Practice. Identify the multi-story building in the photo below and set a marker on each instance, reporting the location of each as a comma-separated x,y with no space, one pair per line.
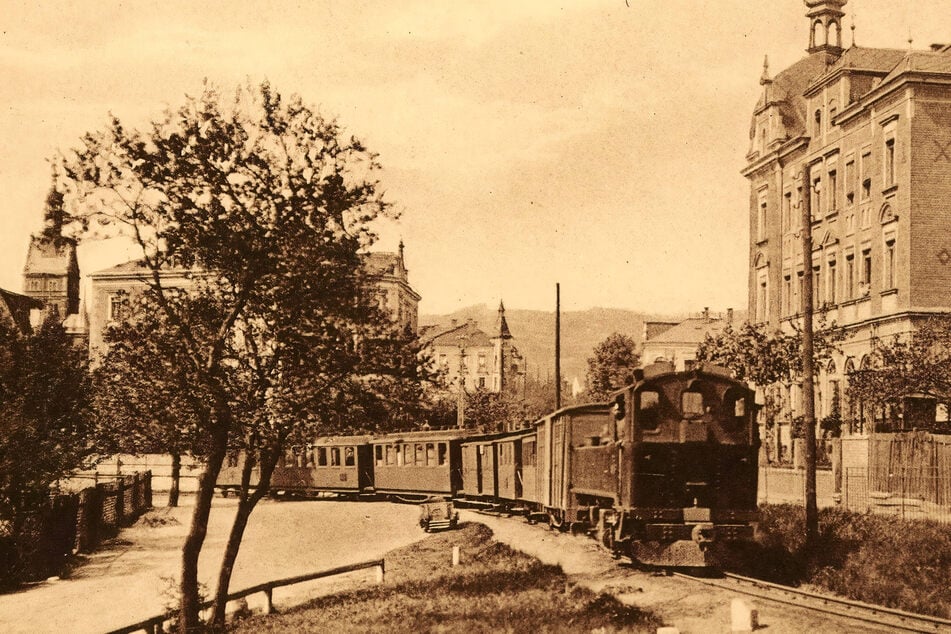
112,288
51,274
865,133
490,362
677,342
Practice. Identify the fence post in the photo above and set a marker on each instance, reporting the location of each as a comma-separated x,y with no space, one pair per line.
148,489
269,596
120,502
380,574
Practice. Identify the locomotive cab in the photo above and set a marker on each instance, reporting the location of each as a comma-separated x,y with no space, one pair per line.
688,469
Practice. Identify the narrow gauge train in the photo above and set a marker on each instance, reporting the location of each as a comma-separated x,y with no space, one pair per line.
663,471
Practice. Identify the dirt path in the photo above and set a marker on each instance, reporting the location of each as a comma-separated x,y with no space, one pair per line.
688,605
128,580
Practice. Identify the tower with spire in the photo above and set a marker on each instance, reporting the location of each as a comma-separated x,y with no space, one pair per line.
509,365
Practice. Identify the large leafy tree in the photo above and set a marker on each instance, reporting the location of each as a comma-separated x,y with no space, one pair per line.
269,204
611,367
45,430
915,363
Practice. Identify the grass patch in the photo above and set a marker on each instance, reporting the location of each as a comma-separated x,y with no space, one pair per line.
873,558
496,589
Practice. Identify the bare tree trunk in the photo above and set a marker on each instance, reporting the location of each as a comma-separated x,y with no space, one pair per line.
176,476
247,501
190,601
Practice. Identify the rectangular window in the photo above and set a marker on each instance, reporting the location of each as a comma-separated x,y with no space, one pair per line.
865,167
787,295
378,454
398,450
867,269
800,290
761,313
849,182
421,455
321,456
889,162
816,210
830,283
849,276
349,458
481,381
787,211
408,457
481,362
816,286
833,191
116,307
442,453
761,221
431,454
890,264
335,456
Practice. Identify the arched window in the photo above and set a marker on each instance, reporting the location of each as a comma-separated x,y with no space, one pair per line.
818,33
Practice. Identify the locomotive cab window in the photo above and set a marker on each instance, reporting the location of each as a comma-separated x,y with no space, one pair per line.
648,410
734,408
691,404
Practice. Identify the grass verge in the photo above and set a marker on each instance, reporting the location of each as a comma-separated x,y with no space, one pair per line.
872,558
496,589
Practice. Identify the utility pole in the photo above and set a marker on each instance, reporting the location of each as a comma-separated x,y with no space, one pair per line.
808,363
461,397
557,346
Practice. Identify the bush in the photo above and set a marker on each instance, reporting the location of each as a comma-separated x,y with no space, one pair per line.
871,558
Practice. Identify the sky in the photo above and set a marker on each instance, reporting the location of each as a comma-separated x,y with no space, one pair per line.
592,143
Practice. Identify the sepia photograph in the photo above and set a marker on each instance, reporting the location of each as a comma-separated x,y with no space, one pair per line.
593,316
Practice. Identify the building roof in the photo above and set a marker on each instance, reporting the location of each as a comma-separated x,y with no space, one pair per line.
18,307
938,62
689,331
653,328
466,334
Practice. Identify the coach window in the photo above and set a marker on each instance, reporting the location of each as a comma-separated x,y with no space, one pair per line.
322,456
421,455
335,456
398,450
390,457
408,458
442,453
430,454
378,450
348,458
648,410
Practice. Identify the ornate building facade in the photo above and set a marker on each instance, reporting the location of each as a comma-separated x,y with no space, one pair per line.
473,359
865,133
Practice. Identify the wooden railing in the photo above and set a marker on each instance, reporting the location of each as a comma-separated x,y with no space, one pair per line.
155,624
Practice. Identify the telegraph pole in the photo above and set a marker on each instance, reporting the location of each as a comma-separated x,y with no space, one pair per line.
557,346
808,363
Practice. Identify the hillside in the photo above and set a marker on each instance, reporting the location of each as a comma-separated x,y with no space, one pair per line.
534,332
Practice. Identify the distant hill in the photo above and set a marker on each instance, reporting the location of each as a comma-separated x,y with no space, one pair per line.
534,333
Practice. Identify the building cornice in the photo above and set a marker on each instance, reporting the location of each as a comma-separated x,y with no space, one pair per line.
908,78
776,155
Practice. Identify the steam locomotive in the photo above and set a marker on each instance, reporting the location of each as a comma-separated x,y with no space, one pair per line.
662,472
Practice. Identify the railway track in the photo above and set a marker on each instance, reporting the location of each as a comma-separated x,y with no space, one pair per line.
857,610
881,616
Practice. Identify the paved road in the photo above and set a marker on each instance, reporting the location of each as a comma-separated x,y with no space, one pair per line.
129,581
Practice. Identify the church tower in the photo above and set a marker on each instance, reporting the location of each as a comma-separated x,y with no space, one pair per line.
825,25
509,369
51,273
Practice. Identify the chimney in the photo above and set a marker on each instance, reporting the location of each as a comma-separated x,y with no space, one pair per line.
729,315
453,322
706,313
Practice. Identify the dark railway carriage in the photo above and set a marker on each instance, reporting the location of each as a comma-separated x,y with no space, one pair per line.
501,468
418,464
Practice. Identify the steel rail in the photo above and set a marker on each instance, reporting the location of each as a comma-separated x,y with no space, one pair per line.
827,604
